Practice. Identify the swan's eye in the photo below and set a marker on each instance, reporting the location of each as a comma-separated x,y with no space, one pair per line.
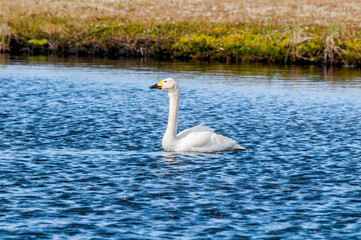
165,81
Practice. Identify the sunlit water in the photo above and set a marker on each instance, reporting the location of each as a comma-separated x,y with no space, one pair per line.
81,155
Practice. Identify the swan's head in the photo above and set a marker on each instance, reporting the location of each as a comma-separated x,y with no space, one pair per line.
167,85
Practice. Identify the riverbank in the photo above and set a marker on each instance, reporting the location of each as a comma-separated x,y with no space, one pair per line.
302,32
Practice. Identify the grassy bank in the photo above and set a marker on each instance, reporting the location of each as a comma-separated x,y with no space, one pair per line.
270,31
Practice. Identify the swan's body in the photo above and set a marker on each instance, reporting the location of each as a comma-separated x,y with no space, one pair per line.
196,139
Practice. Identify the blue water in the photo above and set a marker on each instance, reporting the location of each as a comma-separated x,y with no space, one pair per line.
81,155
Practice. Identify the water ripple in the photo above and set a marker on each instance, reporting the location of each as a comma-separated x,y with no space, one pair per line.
80,155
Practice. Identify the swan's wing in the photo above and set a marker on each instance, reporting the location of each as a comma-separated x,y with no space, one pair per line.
203,139
199,128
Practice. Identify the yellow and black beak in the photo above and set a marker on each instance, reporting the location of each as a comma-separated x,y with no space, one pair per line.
155,86
158,85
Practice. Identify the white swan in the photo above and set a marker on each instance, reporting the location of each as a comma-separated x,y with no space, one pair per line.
196,139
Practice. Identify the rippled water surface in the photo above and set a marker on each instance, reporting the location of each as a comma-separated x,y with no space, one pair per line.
81,155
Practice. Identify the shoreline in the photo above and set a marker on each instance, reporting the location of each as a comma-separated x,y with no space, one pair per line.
140,30
226,43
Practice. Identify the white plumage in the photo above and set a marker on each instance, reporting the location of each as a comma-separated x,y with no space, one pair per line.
196,139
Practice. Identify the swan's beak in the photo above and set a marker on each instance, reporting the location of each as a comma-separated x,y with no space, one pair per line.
155,86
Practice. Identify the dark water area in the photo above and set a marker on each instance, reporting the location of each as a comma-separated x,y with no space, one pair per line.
81,155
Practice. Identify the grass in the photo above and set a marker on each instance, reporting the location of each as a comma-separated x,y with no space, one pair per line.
305,31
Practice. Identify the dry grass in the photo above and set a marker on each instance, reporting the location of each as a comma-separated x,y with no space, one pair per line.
5,33
276,22
276,12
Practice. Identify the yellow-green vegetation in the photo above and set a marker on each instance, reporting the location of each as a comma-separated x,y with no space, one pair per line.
302,31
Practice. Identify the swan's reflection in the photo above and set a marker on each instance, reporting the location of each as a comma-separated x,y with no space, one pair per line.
174,157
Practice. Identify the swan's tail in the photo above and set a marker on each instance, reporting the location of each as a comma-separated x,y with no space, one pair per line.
239,147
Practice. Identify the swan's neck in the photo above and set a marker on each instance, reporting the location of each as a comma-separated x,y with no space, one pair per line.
170,135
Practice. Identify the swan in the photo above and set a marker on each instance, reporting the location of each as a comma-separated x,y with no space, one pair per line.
196,139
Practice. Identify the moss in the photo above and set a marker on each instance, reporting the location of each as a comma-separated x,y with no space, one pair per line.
312,49
38,42
352,52
196,46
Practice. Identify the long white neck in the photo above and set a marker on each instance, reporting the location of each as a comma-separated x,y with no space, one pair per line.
170,135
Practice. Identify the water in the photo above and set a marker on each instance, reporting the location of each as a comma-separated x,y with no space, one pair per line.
81,156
